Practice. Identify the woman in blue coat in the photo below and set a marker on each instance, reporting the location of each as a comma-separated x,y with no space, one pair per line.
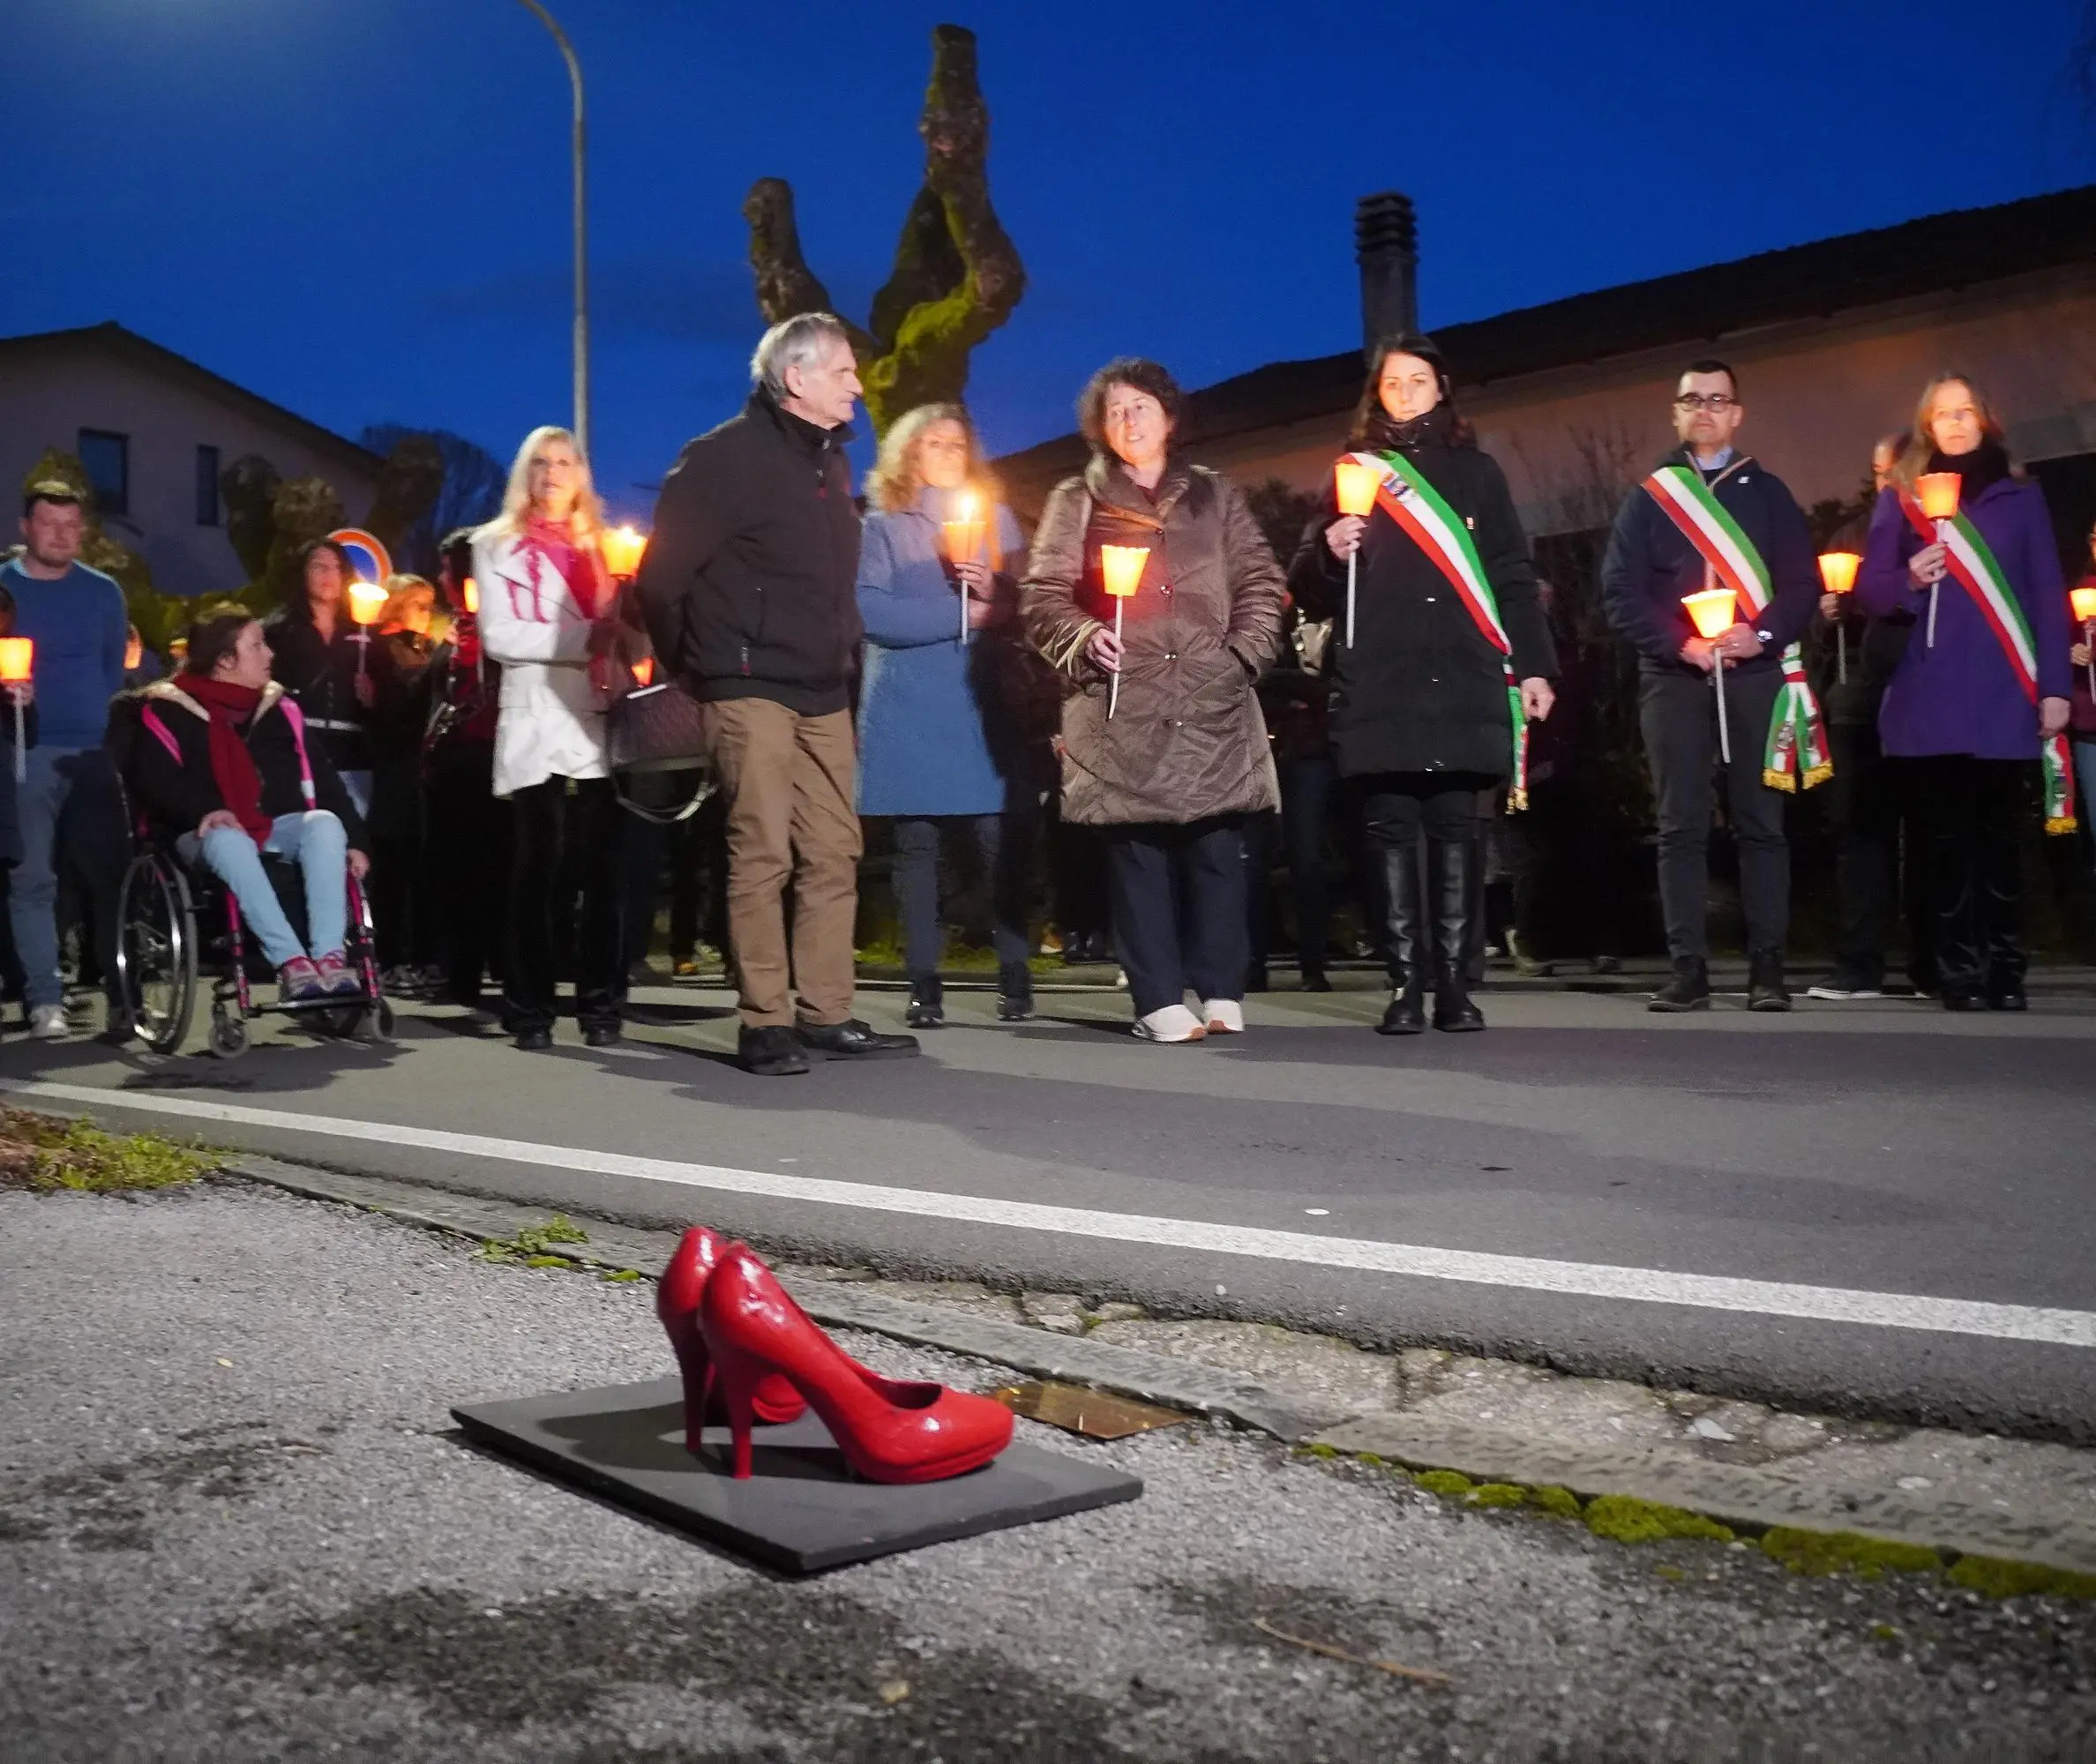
930,749
1982,691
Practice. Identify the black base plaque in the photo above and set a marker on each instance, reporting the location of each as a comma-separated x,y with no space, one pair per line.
801,1510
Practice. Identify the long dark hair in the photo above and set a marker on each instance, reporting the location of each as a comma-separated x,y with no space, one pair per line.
300,606
1369,414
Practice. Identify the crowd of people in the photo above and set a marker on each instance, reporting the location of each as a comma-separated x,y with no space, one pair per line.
1140,698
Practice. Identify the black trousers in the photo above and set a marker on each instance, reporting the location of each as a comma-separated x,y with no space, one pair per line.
1567,885
1179,909
1975,868
1004,848
1402,813
468,866
574,825
1880,856
1679,716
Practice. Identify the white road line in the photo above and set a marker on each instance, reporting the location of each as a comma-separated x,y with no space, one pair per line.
1591,1280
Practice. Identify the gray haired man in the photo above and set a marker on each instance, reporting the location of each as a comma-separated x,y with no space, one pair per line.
748,589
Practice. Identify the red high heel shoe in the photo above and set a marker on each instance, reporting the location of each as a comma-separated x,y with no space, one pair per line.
889,1429
677,1295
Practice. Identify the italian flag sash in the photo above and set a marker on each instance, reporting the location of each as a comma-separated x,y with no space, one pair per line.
1404,494
1797,743
1979,572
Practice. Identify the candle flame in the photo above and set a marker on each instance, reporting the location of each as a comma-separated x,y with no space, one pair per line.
472,595
623,548
367,600
644,672
2084,602
1838,570
18,659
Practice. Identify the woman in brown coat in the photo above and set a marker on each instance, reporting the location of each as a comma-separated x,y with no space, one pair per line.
1169,770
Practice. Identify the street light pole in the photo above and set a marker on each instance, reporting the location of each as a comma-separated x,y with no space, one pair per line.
574,68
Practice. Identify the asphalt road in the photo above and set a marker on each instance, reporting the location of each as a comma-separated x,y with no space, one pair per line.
237,1524
1865,1151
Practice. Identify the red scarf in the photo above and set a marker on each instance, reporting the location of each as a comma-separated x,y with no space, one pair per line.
551,542
232,766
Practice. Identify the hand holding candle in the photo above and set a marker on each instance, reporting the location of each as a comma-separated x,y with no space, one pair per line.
1120,567
367,600
1354,485
2084,602
1937,493
1713,611
964,537
17,668
1837,574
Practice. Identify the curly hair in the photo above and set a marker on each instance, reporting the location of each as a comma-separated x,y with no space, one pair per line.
1129,370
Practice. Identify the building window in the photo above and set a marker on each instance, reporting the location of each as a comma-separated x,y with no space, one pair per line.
207,487
108,459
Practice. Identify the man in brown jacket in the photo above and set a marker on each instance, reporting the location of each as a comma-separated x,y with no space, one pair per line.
748,590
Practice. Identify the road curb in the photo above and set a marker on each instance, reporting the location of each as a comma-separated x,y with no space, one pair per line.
1753,1498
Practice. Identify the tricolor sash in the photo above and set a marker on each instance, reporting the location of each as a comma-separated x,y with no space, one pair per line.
1404,493
1797,743
1979,572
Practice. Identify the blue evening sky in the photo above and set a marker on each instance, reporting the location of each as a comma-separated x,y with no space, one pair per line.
360,207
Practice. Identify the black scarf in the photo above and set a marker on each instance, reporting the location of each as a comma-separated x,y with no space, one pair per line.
1385,434
1986,465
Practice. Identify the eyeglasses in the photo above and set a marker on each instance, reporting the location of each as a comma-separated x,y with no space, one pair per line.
1696,400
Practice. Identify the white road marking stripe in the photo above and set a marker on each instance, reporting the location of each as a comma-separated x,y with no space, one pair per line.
1592,1280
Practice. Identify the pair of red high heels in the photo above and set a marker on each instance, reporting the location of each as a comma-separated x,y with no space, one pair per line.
749,1353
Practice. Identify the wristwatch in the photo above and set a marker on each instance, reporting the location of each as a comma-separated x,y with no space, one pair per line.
1763,635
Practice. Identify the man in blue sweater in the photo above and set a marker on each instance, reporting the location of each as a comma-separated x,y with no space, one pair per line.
76,617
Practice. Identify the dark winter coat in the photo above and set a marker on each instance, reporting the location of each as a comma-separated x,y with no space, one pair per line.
1962,696
166,761
322,676
1651,566
747,585
1422,689
1187,741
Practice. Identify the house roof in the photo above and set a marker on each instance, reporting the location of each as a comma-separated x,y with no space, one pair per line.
1936,254
112,339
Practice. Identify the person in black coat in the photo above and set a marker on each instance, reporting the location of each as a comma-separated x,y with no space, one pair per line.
1423,711
329,664
1650,567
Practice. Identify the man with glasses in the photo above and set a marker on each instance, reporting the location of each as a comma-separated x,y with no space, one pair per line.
1709,516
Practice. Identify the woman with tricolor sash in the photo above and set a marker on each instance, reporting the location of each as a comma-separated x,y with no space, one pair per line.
1441,654
1983,689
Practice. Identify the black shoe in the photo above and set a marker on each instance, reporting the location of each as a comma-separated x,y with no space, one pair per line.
602,1035
534,1041
2008,998
1765,990
853,1040
1606,964
772,1052
1406,1012
1689,990
1314,981
1014,992
927,1003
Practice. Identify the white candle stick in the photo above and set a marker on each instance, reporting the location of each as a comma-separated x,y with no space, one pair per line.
1114,692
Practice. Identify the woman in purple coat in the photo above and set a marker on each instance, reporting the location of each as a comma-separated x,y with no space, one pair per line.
1982,690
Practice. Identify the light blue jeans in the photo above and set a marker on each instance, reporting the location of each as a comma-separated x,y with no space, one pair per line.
315,842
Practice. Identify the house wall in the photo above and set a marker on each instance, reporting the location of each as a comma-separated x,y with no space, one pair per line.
1817,395
48,396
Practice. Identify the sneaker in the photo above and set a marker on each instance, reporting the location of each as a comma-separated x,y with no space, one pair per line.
1173,1023
1014,992
684,968
1225,1016
1842,984
927,1003
47,1022
338,979
298,980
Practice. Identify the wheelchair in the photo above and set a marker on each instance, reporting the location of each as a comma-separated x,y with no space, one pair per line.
178,926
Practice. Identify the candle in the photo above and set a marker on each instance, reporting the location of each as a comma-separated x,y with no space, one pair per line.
964,537
1120,567
644,672
1713,612
2084,603
367,600
1355,484
623,547
1938,493
1837,572
18,663
472,597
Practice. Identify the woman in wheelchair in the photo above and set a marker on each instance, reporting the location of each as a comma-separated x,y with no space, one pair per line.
222,762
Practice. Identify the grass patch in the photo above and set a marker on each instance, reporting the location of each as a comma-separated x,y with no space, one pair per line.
1999,1579
50,1156
886,952
533,1245
1845,1552
1627,1520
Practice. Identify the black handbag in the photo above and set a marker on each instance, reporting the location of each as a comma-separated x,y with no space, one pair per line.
659,751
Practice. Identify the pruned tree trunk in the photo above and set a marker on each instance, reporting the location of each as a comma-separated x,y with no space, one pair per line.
957,275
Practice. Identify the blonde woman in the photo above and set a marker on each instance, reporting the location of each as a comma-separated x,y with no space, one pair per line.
548,614
930,752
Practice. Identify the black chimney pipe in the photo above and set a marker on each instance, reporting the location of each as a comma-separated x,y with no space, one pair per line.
1387,245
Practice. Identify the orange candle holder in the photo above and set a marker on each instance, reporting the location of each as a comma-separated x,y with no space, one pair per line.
2084,603
644,672
18,661
1120,569
367,600
1838,570
623,547
1937,493
472,598
1712,611
1356,486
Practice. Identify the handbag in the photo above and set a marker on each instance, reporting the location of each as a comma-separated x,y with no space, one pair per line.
651,735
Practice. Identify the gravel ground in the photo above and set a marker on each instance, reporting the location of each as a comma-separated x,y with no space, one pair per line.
235,1524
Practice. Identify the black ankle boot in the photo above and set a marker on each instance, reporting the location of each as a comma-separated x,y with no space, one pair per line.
927,1002
1766,988
1406,1014
1689,990
1451,866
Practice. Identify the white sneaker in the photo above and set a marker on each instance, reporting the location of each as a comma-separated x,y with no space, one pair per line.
1225,1016
1173,1023
47,1022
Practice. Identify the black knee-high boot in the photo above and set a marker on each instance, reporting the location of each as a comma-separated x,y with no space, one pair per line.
1405,932
1450,864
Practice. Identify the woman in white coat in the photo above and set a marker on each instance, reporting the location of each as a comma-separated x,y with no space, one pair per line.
548,614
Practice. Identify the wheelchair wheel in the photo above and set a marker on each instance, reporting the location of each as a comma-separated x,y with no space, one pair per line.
156,951
228,1038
